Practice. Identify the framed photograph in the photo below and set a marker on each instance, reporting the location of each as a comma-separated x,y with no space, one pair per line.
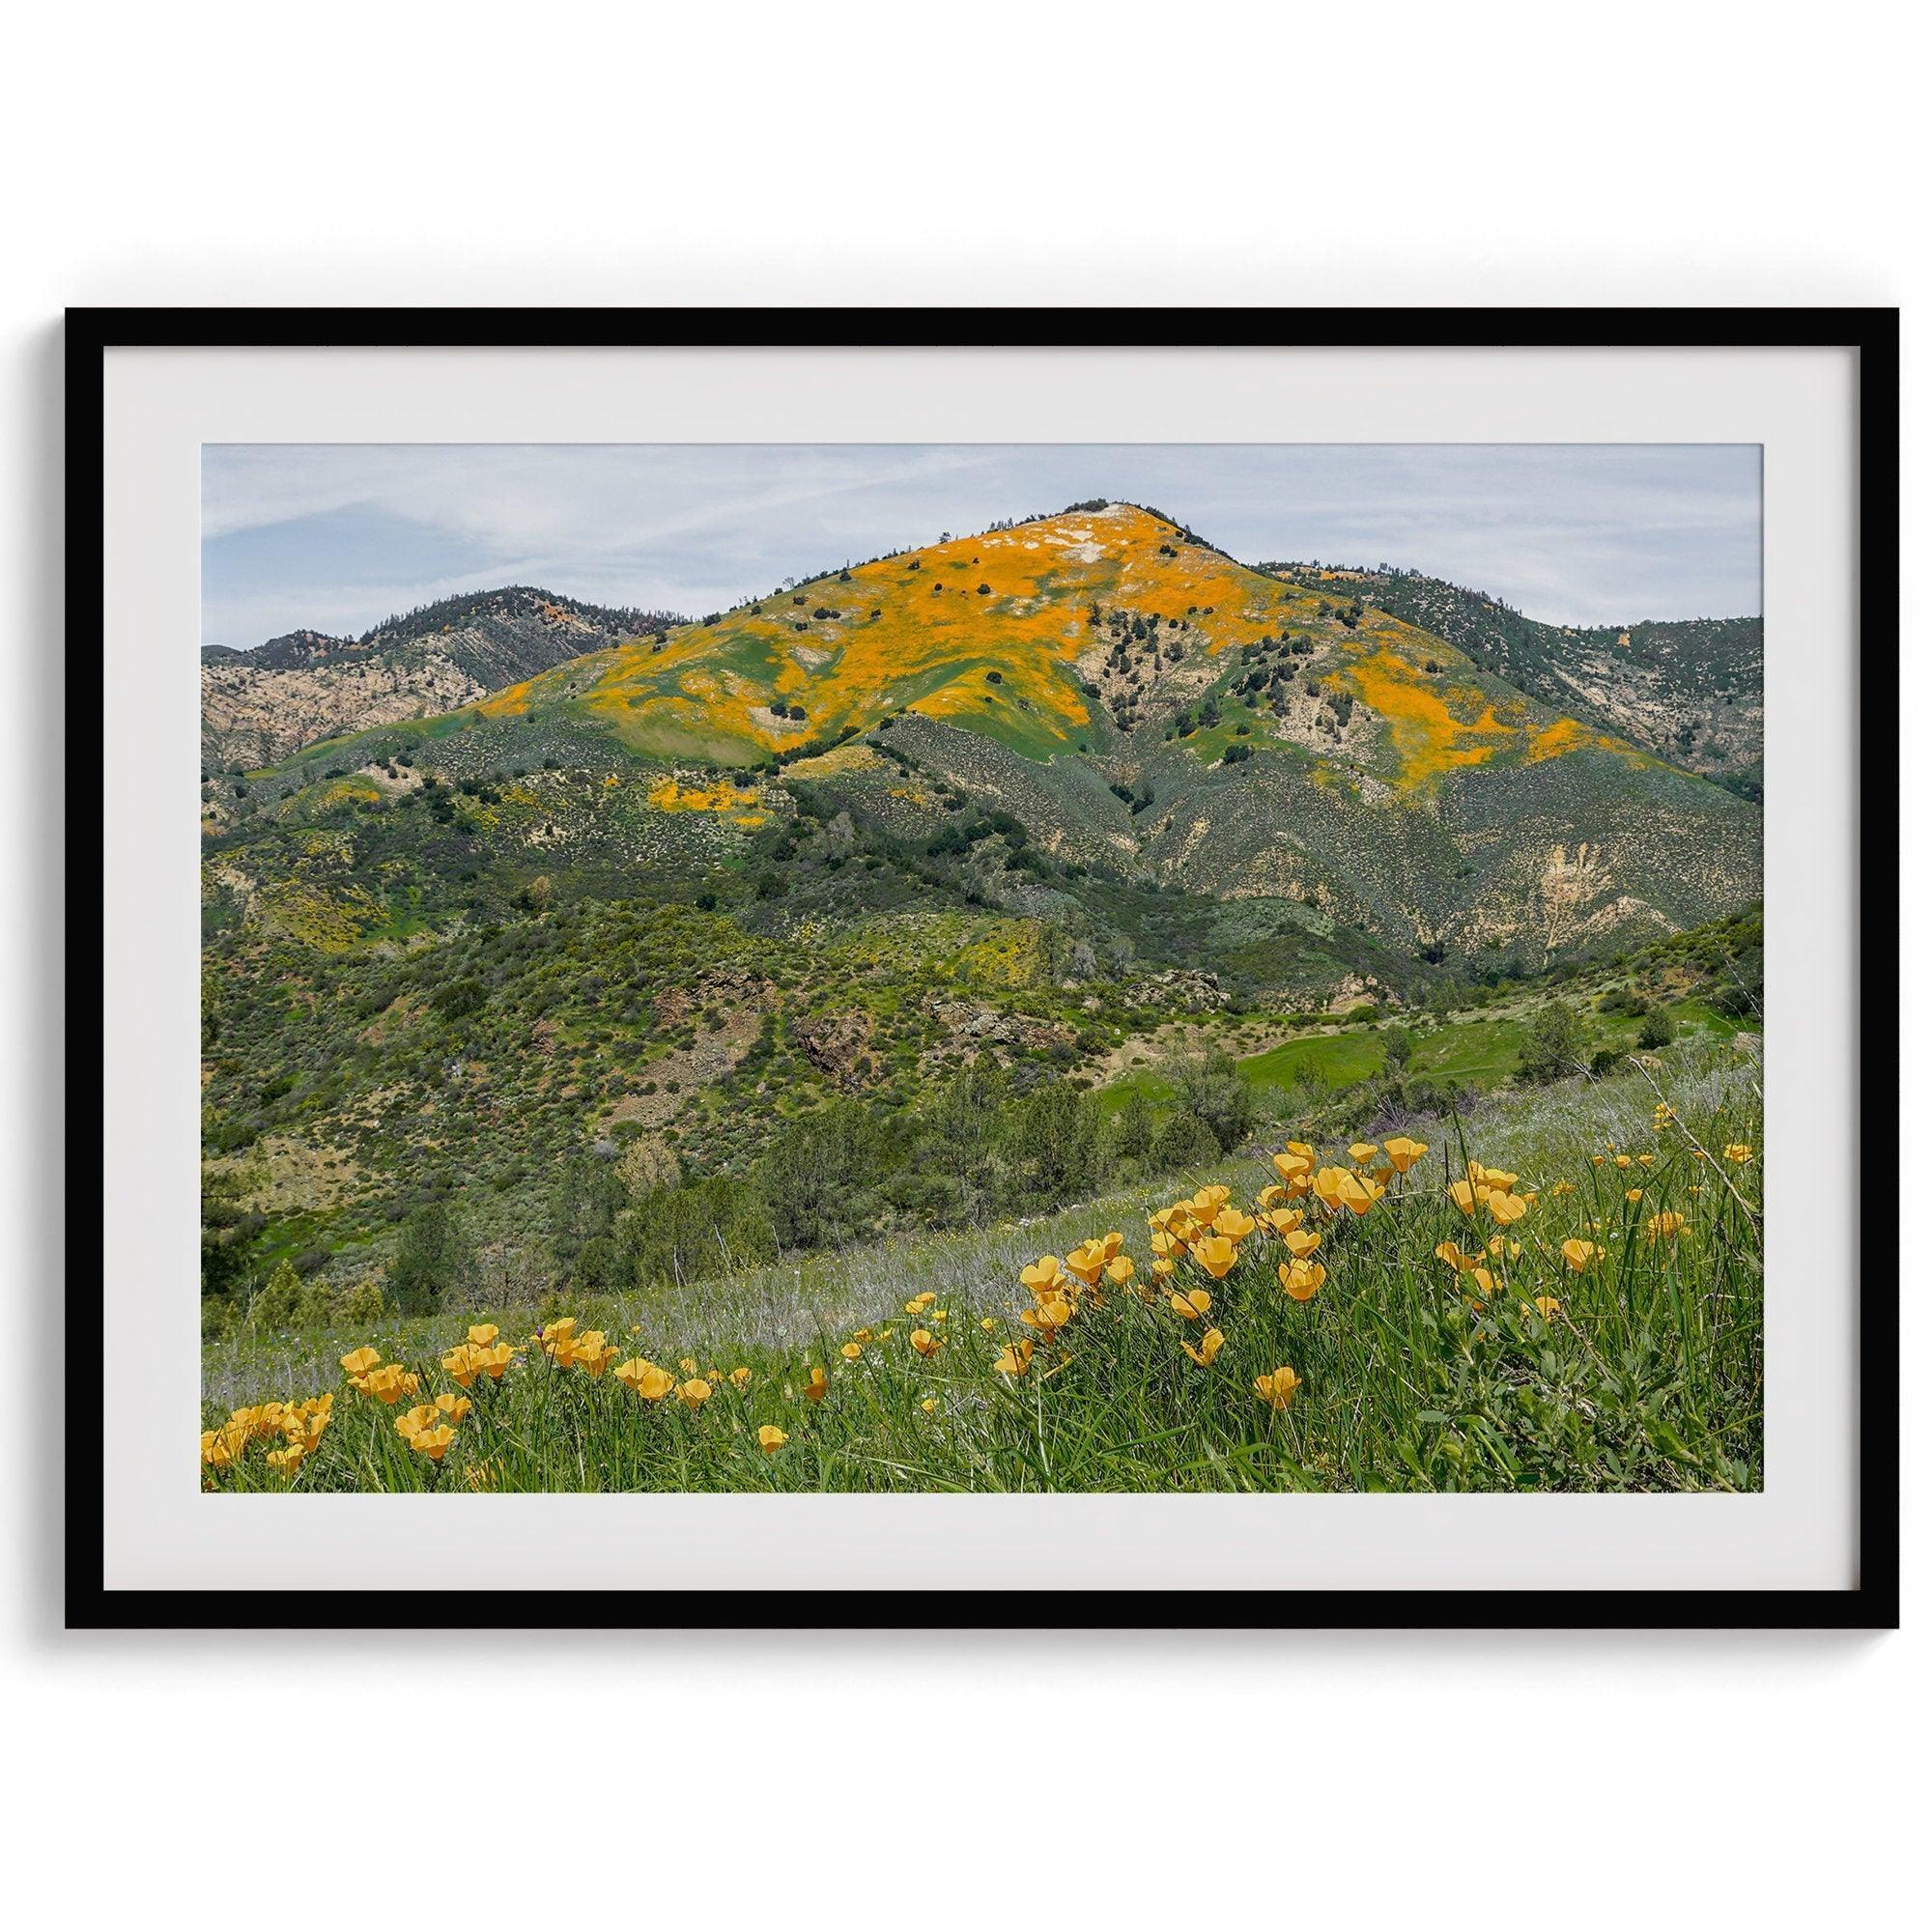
1197,962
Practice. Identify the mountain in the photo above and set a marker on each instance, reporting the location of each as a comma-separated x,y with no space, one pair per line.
769,887
1690,690
262,705
1146,707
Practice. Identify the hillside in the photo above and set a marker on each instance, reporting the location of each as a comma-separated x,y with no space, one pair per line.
1690,690
259,706
820,899
1146,707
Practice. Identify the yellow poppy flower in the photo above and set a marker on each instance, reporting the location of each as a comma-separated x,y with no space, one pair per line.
1663,1227
390,1385
1363,1151
1336,1189
1043,1277
923,1342
1549,1307
646,1379
740,1376
1301,1243
591,1353
1738,1152
1285,1220
1049,1315
1507,1207
987,1323
688,1365
1448,1251
455,1406
815,1385
1086,1261
1579,1253
412,1422
1301,1280
852,1350
1634,1194
695,1393
929,1406
286,1460
1270,1196
483,1334
771,1440
1161,1268
1278,1390
1192,1305
359,1362
1013,1358
1214,1254
1121,1270
432,1443
920,1303
460,1364
1233,1225
1211,1347
861,1334
1623,1160
1403,1153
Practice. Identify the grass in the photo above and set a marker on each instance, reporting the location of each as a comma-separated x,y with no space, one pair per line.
1644,1372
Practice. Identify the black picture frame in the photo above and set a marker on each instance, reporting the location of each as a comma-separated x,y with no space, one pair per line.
1872,1603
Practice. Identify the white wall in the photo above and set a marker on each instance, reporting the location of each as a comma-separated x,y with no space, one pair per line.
379,153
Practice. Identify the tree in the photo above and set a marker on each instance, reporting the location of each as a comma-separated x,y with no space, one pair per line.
431,1261
1656,1031
1184,1143
1052,1144
1133,1131
1209,1086
1553,1046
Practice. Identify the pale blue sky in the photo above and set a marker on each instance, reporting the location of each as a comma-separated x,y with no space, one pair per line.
337,536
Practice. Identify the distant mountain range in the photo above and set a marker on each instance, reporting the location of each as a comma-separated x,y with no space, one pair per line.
261,705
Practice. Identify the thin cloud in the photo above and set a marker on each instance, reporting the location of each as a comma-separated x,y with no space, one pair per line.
340,536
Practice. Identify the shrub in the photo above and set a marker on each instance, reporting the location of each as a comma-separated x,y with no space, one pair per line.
1184,1141
1656,1031
1553,1046
1210,1088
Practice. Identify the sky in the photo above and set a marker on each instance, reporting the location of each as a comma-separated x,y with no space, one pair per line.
335,537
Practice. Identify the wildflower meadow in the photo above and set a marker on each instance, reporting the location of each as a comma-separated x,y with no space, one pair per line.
1565,1295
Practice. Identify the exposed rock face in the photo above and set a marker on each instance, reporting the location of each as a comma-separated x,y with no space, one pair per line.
837,1045
259,706
1185,986
253,716
970,1028
1361,989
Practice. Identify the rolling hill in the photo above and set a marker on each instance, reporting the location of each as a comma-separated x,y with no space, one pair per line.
1691,689
261,705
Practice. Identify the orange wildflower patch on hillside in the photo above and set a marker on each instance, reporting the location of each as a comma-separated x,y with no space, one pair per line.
1428,736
